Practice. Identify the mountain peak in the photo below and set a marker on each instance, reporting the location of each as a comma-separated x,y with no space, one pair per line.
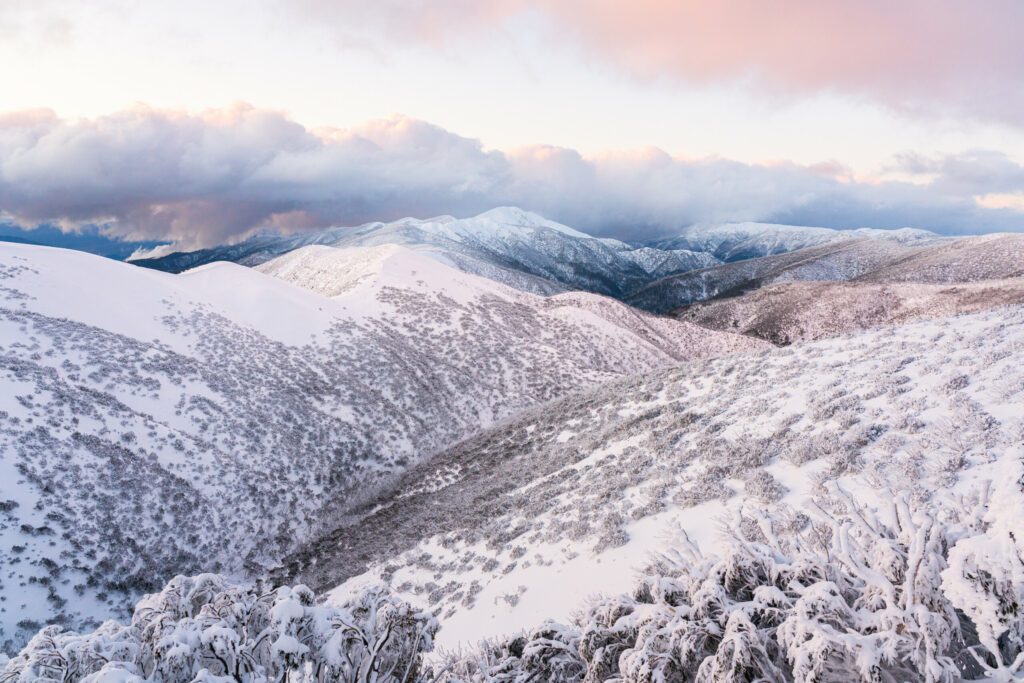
500,220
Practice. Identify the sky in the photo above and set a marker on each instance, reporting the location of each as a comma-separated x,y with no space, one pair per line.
201,122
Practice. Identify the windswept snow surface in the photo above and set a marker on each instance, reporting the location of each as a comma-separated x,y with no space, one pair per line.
358,273
515,247
155,424
524,522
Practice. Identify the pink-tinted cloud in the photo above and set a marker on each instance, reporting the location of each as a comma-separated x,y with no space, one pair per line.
202,179
930,56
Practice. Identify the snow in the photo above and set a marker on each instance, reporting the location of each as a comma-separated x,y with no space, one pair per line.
498,223
509,245
782,397
729,241
125,299
541,447
557,590
881,259
355,275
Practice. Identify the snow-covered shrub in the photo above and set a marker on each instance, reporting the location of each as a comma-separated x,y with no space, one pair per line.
764,487
932,594
708,484
204,629
550,653
985,581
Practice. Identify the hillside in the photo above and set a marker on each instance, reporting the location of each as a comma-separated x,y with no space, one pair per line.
147,417
840,260
880,260
524,522
971,259
793,312
730,242
354,276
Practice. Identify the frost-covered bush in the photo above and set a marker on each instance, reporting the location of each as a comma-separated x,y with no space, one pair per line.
762,486
550,653
204,629
935,594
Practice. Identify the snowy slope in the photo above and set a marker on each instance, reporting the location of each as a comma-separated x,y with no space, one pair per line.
333,272
522,523
738,241
147,417
790,312
353,276
512,246
878,260
839,260
968,259
971,259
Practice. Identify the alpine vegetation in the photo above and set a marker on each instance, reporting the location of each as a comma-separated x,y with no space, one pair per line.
932,592
386,403
225,403
927,592
369,459
525,520
891,256
203,629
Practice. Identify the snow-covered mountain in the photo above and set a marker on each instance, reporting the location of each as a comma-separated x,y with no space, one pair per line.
969,259
152,423
739,241
792,312
839,260
357,415
879,260
531,253
515,247
524,522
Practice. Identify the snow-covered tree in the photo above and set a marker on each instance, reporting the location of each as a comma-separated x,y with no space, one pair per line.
933,593
204,629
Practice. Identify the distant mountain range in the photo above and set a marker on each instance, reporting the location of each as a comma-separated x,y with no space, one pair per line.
883,259
505,244
529,252
793,312
730,242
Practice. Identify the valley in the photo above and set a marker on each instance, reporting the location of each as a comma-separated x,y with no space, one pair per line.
457,413
227,403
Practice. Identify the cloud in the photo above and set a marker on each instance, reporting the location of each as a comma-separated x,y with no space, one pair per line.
925,56
218,176
971,172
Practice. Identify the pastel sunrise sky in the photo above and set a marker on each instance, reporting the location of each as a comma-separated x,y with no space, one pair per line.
203,121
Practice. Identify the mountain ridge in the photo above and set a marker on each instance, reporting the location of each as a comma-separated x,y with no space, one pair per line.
535,254
922,260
